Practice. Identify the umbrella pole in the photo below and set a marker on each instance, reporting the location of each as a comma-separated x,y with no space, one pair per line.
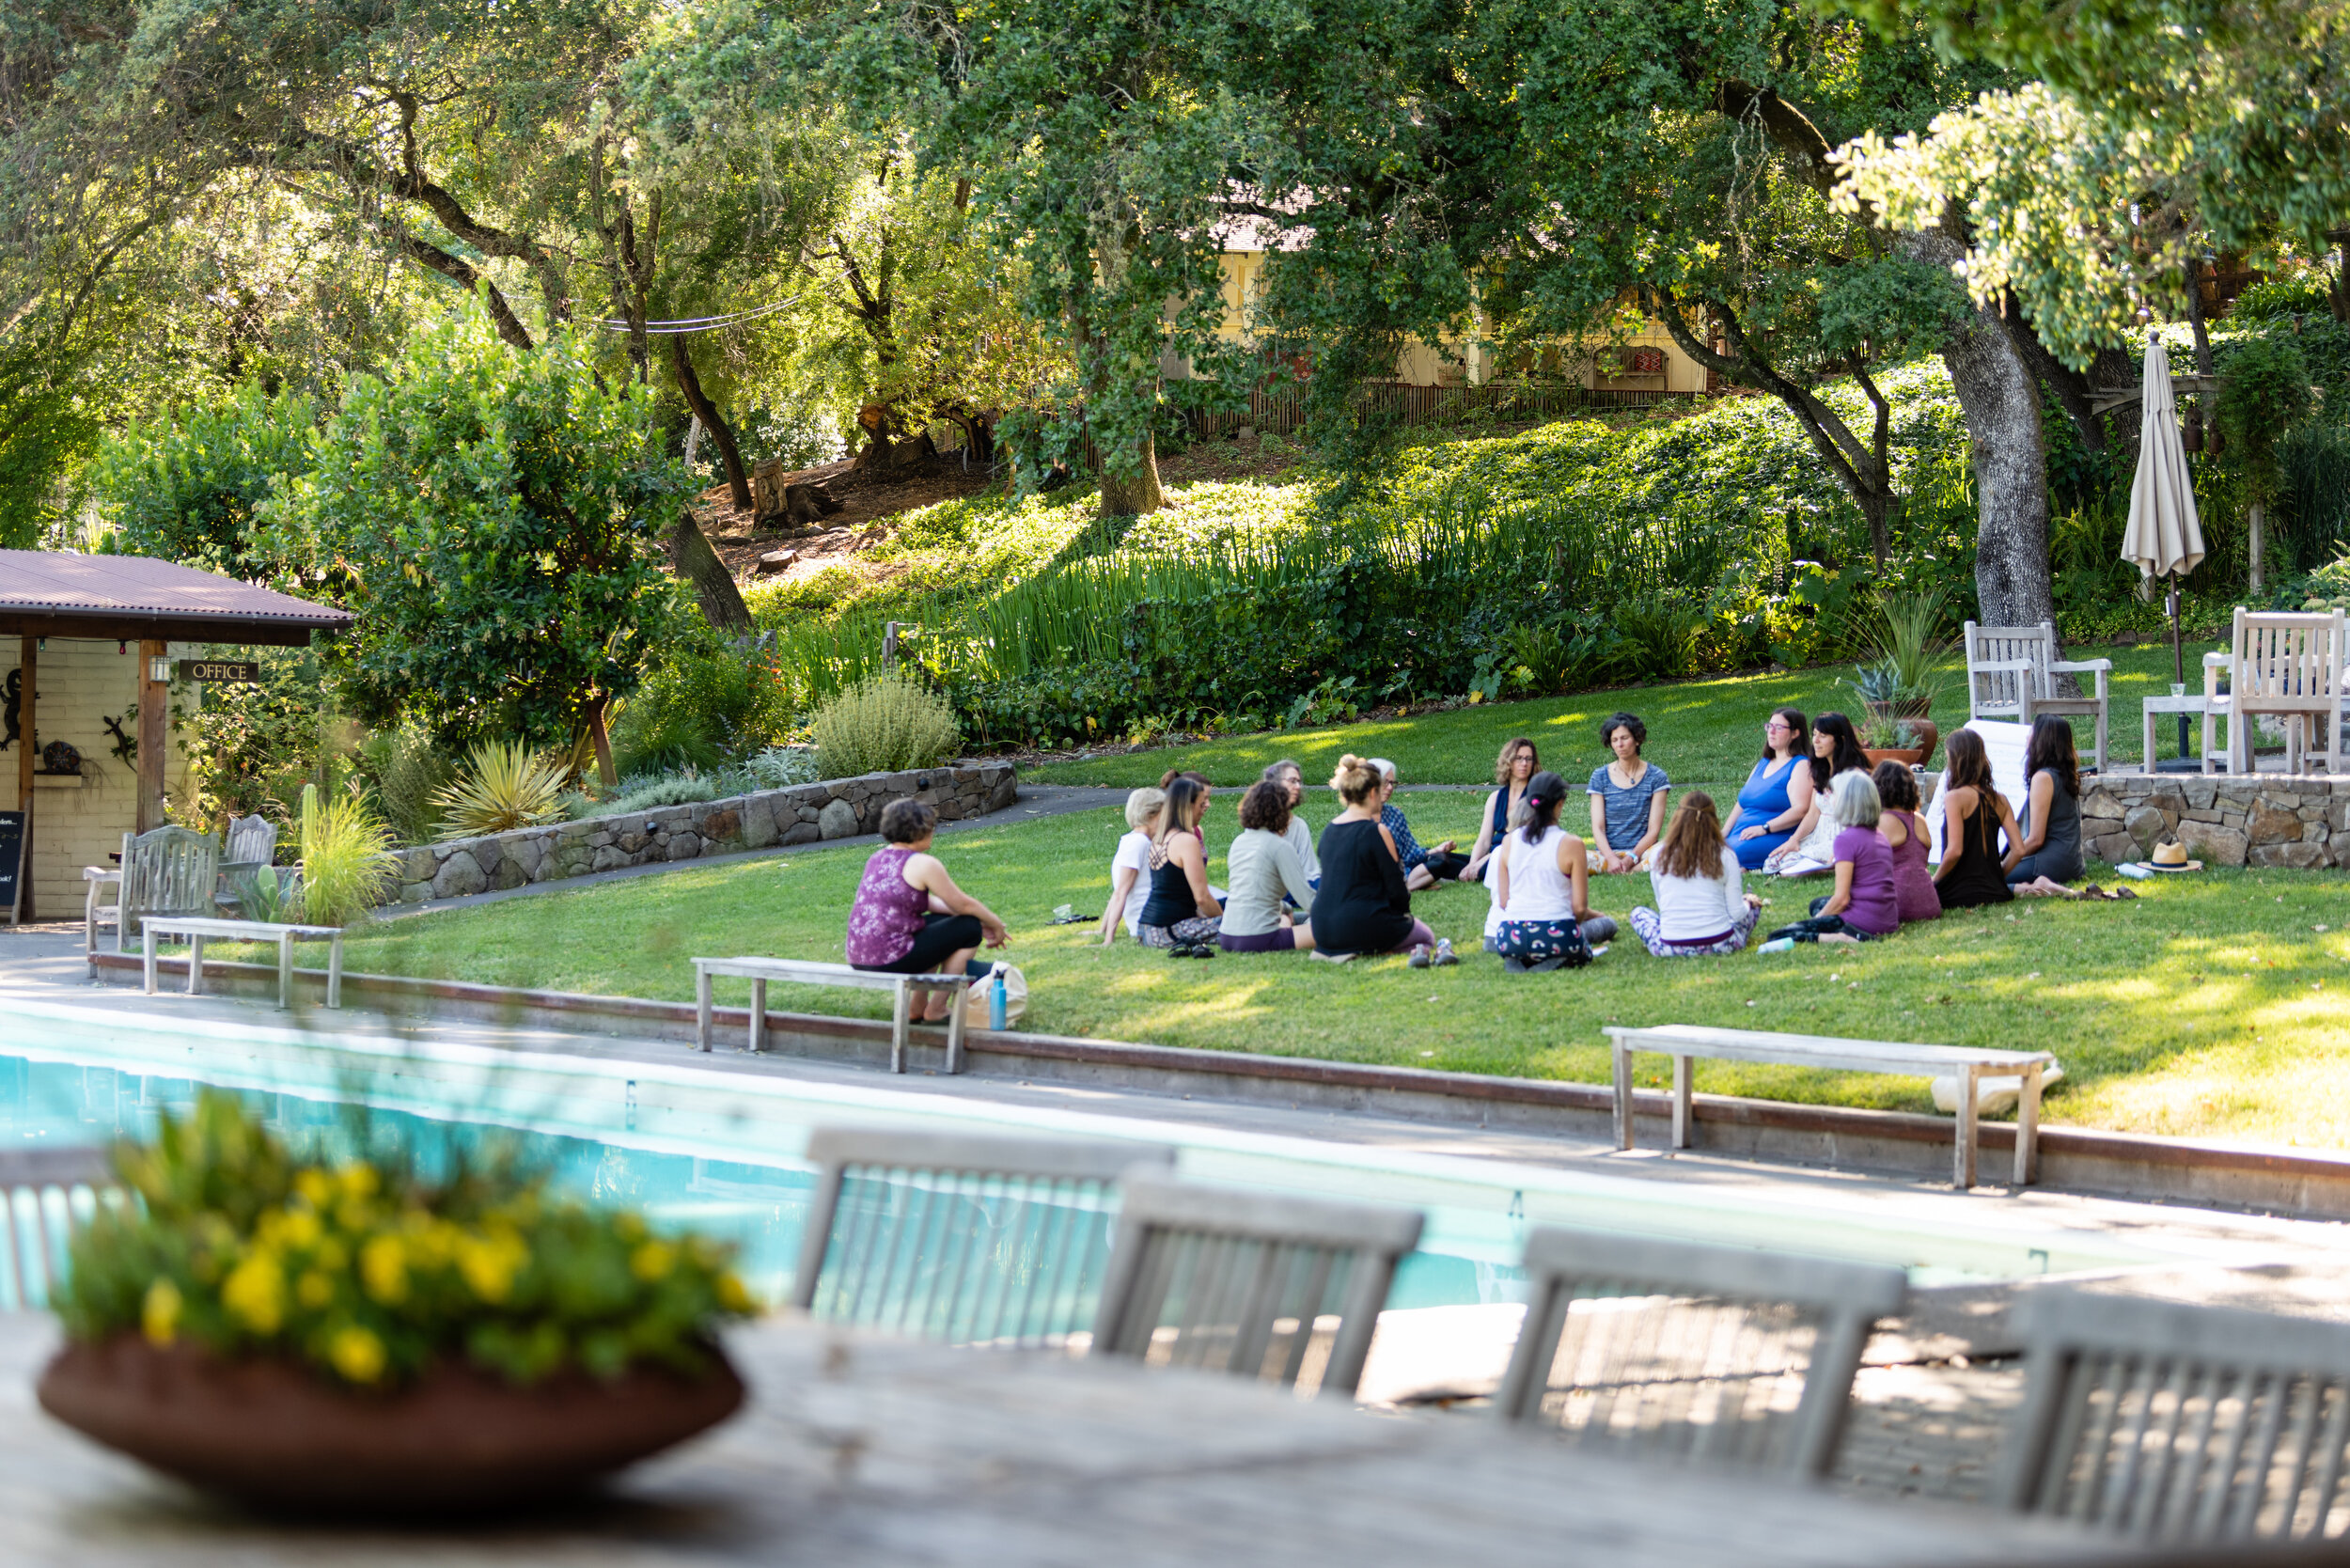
2177,659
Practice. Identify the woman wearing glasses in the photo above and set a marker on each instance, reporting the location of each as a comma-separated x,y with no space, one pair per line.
1778,792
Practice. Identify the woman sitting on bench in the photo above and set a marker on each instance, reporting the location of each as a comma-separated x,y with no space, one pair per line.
893,928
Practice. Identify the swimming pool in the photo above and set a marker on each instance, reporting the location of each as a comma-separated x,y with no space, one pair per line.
723,1150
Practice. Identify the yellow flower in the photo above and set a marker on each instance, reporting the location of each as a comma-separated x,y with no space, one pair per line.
383,1268
360,1180
255,1292
356,1352
489,1263
315,1188
653,1261
629,1227
313,1290
160,1317
301,1228
333,1256
732,1295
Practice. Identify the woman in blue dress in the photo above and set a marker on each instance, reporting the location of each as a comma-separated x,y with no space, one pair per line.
1778,792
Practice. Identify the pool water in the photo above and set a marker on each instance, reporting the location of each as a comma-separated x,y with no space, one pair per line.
721,1152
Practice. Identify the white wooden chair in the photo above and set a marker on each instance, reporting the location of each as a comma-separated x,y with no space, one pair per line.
969,1238
252,847
1256,1284
1683,1350
168,871
2011,672
46,1194
2174,1423
2288,665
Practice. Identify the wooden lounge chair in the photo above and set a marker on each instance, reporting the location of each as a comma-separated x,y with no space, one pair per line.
968,1238
1692,1352
2176,1423
2011,674
168,871
1256,1284
2287,666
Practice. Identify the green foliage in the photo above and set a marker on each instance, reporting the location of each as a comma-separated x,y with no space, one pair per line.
251,747
346,864
780,767
1900,635
407,767
503,786
369,1271
2315,459
190,486
2264,392
261,895
2275,298
703,701
884,725
679,790
492,515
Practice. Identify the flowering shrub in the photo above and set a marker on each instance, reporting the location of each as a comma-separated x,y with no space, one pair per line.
370,1272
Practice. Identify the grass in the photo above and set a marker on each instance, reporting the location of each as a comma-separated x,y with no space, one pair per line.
2216,1005
1705,731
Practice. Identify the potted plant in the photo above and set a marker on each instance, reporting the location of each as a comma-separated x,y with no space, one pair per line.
358,1334
1906,741
1899,636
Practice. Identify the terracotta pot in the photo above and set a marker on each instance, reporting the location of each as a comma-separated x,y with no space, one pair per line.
1908,758
1928,737
456,1440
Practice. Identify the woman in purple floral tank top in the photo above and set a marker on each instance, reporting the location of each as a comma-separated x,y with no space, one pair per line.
909,918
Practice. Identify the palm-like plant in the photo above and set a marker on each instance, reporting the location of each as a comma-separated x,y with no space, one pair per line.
502,786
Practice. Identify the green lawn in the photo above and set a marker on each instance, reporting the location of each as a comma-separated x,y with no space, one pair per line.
2215,1005
1701,731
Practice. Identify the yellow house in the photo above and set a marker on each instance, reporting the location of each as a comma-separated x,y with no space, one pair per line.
1649,361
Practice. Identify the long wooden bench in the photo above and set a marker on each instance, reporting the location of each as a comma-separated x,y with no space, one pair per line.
793,971
1683,1041
196,927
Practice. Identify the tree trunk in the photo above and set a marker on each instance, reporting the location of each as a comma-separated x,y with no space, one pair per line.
722,601
2001,403
1132,495
729,453
601,738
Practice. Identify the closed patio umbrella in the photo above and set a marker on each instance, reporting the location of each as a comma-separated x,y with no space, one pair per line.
2165,538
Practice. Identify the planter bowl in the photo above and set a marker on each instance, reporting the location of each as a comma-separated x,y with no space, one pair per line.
1928,737
282,1437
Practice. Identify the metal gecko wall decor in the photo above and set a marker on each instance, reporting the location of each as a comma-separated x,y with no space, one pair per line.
12,706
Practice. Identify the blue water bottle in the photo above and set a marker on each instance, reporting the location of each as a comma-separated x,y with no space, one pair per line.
996,1000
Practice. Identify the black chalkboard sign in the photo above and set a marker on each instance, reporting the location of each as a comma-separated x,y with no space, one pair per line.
11,861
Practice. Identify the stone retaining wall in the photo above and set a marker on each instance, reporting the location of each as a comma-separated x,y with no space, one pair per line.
2275,820
802,814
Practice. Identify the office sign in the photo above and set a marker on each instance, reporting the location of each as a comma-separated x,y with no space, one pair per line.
220,672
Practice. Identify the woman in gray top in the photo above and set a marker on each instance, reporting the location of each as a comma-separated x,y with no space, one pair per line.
1291,778
1261,867
2049,853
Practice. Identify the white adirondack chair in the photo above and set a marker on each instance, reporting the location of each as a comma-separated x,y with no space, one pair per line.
169,871
2289,666
2011,672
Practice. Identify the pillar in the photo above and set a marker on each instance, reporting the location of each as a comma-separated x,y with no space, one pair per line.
27,661
154,732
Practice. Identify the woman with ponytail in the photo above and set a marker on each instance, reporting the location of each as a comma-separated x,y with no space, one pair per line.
1543,887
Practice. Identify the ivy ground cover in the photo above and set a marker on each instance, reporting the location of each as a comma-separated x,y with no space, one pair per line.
2215,1005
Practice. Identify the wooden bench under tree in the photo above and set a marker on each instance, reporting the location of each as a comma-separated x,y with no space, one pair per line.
1968,1063
793,971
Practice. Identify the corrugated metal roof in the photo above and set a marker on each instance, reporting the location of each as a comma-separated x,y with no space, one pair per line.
70,586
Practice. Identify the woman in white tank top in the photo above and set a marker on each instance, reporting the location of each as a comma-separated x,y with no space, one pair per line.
1543,887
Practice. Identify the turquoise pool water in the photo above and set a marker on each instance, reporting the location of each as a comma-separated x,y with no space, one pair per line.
722,1151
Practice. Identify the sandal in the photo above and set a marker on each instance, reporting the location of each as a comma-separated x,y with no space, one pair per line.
1419,956
1444,953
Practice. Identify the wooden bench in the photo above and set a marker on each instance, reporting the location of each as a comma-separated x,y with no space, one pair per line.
196,927
1683,1041
792,971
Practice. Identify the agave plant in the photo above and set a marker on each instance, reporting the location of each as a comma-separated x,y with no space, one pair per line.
502,786
1902,635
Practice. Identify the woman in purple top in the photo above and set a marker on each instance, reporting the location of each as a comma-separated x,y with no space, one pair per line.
1864,905
909,918
1913,882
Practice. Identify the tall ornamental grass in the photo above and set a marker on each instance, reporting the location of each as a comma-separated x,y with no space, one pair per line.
884,725
346,864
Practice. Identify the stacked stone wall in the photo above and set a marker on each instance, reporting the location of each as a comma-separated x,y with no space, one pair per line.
2224,820
802,814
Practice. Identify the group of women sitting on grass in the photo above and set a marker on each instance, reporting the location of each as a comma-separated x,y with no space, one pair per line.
1812,807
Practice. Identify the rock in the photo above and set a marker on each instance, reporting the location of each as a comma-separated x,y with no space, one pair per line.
510,874
837,820
2202,793
759,822
719,824
2098,805
2272,825
414,892
2208,841
2145,825
2114,848
800,833
684,846
609,858
459,875
2301,858
419,864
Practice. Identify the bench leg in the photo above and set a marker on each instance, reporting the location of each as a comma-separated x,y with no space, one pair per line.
2028,1129
901,1008
955,1022
1963,1161
1684,1107
146,934
334,973
285,972
701,1010
196,963
2149,716
1623,1096
759,1016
